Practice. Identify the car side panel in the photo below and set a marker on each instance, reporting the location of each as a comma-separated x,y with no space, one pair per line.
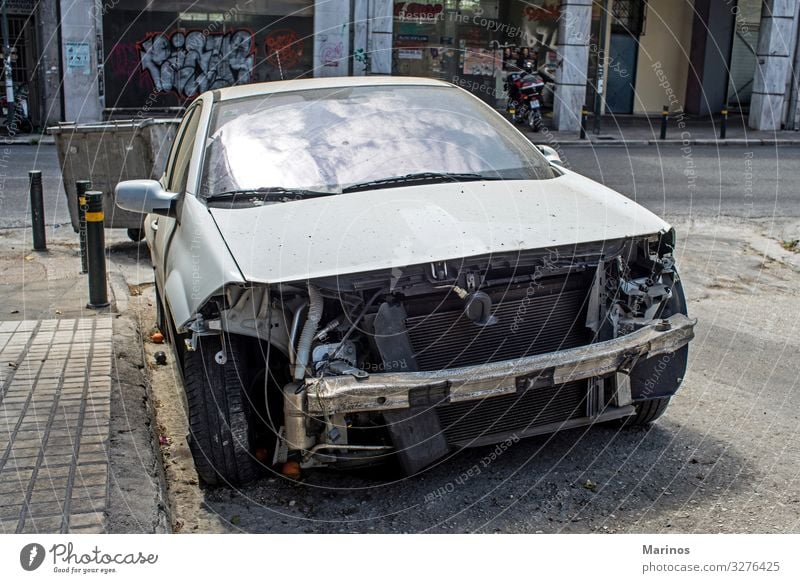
198,264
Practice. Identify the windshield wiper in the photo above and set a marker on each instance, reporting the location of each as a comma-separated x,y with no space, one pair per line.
430,177
267,194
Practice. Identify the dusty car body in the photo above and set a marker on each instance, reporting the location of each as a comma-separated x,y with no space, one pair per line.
348,276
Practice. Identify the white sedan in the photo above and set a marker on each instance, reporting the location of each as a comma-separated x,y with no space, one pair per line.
365,270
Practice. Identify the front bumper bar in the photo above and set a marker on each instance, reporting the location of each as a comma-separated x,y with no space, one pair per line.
380,392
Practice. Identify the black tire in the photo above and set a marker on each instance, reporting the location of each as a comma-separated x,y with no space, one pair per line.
219,412
535,120
646,412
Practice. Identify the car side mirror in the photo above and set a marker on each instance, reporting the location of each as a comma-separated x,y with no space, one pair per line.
550,154
145,196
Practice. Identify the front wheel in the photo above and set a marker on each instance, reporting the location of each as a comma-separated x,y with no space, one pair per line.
216,379
135,235
646,412
656,379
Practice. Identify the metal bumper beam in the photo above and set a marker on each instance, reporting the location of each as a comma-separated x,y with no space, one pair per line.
380,392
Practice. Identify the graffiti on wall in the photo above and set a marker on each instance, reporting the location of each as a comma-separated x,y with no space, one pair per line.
189,62
283,48
331,52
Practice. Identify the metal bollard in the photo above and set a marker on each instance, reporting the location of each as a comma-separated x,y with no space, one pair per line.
81,187
584,114
723,128
37,211
664,117
96,250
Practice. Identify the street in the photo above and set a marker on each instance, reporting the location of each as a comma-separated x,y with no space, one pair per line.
698,181
724,458
15,162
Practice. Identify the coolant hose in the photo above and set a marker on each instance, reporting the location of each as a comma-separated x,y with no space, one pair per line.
309,330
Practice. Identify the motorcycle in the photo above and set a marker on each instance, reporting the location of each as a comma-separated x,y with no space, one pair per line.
533,91
525,98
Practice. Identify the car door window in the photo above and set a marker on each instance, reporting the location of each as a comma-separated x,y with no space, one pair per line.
178,165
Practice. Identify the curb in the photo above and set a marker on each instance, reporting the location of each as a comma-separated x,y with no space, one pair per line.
29,140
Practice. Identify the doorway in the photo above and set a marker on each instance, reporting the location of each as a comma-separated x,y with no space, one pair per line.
627,25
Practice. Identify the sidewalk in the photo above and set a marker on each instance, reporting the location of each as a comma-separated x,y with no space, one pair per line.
629,130
76,448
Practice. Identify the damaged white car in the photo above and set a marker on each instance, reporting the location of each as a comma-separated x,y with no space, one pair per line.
364,270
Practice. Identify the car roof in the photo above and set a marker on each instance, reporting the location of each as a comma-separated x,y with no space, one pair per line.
255,89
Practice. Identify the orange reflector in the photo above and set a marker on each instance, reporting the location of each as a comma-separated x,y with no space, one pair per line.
291,469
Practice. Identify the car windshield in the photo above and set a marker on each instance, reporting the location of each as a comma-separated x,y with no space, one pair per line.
327,140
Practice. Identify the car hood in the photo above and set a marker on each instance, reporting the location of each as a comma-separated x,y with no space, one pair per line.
396,227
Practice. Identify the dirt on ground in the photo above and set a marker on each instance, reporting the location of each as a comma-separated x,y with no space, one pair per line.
724,458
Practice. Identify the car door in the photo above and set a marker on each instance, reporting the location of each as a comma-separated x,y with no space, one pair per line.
174,180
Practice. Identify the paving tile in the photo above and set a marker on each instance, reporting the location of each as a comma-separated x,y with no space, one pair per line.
86,520
57,400
10,512
46,525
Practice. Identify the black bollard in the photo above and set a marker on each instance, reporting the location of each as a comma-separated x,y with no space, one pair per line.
96,250
37,211
81,187
664,117
723,127
584,114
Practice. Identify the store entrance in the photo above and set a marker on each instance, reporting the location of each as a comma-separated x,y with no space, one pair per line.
455,40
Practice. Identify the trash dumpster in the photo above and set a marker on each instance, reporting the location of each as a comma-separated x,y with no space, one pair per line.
108,153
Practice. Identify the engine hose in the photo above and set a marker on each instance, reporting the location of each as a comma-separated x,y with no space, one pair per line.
309,330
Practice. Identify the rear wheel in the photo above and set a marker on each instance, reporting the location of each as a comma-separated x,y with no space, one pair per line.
535,120
220,411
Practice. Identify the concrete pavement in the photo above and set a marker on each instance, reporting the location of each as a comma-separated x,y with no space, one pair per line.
77,451
55,412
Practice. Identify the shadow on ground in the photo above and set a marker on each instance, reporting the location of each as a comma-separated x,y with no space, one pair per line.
576,481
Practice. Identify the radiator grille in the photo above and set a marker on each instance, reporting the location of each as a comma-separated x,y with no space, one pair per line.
543,323
463,422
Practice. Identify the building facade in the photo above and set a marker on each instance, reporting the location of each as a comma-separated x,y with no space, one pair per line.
99,59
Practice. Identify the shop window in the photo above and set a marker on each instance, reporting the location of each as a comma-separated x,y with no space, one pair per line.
628,16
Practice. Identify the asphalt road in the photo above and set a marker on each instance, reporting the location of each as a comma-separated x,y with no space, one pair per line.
708,181
15,162
705,181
